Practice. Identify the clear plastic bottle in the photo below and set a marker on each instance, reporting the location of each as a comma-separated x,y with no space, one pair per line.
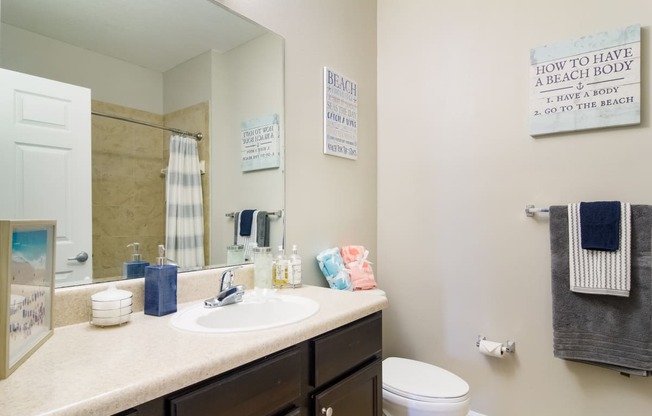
294,268
262,270
235,254
280,269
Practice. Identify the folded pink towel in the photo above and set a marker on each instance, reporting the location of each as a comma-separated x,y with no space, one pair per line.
359,268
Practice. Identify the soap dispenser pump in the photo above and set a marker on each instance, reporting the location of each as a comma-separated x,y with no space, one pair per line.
160,286
136,267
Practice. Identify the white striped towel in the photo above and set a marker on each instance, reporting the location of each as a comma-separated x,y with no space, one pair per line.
248,240
599,272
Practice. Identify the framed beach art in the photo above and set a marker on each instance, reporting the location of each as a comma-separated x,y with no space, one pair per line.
26,289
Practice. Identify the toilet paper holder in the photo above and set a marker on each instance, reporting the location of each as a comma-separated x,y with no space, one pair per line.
507,346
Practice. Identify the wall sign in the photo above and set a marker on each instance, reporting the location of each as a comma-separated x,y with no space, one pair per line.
340,115
260,147
590,82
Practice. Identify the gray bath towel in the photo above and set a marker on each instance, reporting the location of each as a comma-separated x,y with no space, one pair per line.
262,229
610,331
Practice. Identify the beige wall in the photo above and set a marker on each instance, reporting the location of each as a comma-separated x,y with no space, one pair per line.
110,80
330,201
456,254
249,84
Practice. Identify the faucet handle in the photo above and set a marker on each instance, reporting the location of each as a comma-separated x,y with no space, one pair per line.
227,278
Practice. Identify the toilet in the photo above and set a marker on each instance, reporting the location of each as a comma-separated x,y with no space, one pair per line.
414,388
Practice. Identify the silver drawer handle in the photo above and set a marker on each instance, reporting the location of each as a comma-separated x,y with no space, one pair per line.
327,412
81,257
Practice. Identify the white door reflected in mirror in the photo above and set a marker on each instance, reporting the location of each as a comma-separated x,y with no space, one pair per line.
45,170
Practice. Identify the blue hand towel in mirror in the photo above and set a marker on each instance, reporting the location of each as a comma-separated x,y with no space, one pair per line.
600,225
246,218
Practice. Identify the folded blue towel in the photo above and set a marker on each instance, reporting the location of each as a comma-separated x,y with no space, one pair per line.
332,267
600,225
246,218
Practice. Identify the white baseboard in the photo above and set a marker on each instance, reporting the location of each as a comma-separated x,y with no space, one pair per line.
472,413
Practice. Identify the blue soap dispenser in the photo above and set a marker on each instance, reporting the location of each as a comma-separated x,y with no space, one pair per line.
135,267
160,286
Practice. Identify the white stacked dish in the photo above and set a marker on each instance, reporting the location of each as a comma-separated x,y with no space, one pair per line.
111,307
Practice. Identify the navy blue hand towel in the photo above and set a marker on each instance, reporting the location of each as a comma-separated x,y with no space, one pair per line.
600,225
246,217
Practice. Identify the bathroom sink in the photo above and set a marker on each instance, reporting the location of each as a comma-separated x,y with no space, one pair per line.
253,313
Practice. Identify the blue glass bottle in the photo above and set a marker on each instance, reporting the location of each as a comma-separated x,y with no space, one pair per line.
160,286
136,267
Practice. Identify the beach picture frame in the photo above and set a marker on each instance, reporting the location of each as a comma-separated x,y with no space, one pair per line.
27,249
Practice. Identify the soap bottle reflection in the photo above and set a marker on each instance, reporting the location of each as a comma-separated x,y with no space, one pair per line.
136,267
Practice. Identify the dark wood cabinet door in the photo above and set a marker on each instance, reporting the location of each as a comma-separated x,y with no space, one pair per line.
345,349
260,390
360,394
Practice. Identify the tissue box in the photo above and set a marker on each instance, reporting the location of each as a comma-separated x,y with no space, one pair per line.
360,271
332,267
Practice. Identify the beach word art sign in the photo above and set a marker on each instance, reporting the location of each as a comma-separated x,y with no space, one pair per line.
340,115
585,83
260,143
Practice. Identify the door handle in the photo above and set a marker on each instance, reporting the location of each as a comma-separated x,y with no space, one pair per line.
81,257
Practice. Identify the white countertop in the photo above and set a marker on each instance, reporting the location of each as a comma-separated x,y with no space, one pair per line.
88,370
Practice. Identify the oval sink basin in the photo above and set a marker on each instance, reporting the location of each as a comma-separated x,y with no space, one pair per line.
251,314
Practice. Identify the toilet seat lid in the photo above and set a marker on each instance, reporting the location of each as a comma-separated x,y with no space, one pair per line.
421,381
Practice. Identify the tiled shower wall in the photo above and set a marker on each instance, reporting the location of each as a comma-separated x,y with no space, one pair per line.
128,187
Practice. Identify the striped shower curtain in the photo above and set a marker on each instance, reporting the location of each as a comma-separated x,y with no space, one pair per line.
184,207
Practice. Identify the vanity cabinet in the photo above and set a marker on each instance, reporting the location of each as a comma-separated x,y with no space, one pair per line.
346,364
360,394
338,373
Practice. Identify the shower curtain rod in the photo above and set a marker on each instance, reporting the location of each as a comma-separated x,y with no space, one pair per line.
196,136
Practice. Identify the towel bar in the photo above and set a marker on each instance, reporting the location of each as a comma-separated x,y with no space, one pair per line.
274,213
530,210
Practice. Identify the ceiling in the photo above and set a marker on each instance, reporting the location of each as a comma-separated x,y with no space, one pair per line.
141,32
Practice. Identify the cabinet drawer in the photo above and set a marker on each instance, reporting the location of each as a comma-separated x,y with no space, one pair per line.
261,389
346,348
360,394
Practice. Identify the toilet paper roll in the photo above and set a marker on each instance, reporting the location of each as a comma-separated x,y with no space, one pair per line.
491,348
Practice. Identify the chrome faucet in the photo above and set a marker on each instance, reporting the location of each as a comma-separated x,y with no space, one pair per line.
228,293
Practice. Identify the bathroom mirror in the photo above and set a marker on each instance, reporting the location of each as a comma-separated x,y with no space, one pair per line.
193,65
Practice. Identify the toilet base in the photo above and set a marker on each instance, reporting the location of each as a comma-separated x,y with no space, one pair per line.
468,414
